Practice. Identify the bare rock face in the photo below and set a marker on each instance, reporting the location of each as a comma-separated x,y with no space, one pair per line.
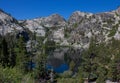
4,17
118,10
34,26
77,31
76,17
8,24
39,25
53,21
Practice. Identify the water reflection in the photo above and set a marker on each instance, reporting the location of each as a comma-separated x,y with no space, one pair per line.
56,61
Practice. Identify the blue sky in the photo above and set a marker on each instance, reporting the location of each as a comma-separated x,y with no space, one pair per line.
28,9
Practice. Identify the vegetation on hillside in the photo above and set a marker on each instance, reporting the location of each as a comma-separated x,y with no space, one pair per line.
101,61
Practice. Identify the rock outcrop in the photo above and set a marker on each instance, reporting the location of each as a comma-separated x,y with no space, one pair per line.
76,32
8,24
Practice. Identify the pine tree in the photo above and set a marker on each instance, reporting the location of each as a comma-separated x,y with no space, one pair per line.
114,67
12,57
40,67
4,57
0,48
113,71
88,57
21,55
101,71
40,70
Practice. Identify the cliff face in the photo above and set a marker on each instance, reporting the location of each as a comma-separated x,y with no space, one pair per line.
8,24
76,32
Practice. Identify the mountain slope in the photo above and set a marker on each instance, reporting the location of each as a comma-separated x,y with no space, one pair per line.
76,32
8,24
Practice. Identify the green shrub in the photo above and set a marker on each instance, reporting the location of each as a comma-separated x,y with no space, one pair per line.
112,32
66,74
75,25
10,75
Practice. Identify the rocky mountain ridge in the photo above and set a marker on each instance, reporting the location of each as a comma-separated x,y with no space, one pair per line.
76,32
8,24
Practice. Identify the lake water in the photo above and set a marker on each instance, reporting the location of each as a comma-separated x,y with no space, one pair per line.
56,60
59,69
